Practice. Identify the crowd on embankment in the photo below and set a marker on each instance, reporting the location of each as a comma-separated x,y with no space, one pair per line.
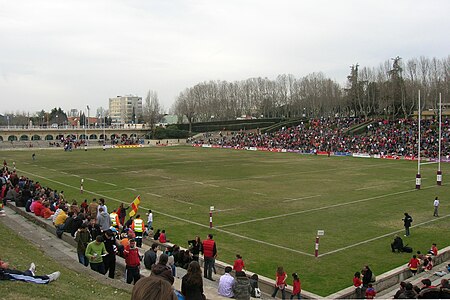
378,137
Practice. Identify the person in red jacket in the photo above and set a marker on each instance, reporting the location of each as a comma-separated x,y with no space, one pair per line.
133,262
38,208
162,237
296,287
238,263
413,264
433,250
209,255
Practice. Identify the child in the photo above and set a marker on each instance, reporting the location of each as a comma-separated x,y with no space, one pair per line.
296,287
238,263
357,283
370,292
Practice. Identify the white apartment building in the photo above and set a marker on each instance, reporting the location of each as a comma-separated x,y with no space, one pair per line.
125,109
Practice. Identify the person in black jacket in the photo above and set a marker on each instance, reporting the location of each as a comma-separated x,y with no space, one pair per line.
109,260
367,277
195,246
192,283
397,244
407,220
150,256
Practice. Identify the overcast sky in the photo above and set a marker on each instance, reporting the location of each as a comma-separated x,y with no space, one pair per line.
73,53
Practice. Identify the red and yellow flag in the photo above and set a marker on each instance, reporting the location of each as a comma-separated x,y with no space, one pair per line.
135,206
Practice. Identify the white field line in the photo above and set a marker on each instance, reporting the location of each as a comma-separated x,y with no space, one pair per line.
258,193
156,195
232,189
429,163
181,219
92,179
222,210
76,175
131,189
64,173
381,236
412,180
213,185
295,199
321,208
110,183
52,170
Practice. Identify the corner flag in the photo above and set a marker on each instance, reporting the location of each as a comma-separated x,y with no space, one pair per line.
135,206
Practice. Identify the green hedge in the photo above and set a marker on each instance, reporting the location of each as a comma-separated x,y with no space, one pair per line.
171,132
231,125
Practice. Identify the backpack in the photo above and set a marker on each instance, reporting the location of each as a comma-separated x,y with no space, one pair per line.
407,249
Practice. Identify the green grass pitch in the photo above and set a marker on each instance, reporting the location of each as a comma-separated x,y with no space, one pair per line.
268,206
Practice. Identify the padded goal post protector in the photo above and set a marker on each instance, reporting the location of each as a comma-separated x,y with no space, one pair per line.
418,181
439,177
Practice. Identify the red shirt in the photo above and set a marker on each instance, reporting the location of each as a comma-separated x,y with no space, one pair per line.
413,263
238,265
434,249
297,287
357,281
162,238
281,279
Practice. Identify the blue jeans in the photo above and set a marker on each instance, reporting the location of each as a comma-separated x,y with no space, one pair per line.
83,259
407,231
209,264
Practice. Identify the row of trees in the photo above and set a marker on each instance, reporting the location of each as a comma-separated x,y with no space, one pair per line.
390,90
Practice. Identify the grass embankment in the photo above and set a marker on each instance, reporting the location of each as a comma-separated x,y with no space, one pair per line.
71,285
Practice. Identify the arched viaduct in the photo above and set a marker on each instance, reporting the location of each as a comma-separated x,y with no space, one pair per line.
52,134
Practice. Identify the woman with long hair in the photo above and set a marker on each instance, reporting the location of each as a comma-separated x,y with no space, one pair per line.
280,283
195,246
192,283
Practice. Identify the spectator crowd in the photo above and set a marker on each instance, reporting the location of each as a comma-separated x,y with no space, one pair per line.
379,137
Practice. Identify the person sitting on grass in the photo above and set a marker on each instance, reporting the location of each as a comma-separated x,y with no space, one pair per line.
27,276
397,244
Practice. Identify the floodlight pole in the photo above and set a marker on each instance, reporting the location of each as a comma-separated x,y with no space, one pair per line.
418,178
439,172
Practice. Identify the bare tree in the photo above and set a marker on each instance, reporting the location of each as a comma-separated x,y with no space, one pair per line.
151,109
